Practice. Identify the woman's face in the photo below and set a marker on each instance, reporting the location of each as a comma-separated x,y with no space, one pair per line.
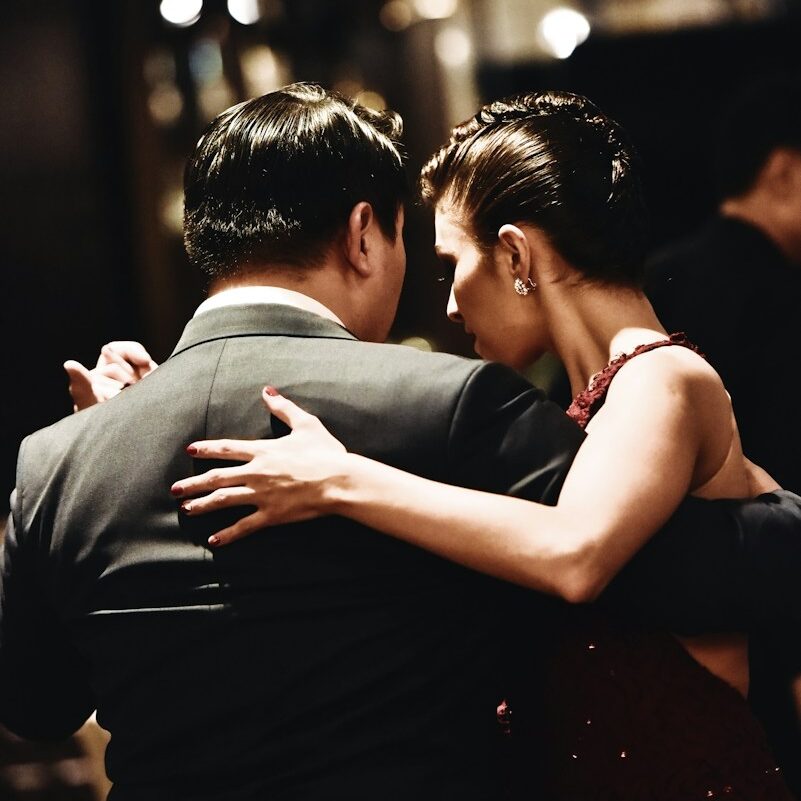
506,326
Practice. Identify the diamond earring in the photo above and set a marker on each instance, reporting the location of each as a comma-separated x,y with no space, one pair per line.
523,289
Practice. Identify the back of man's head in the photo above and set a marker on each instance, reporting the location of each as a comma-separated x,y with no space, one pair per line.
273,180
766,115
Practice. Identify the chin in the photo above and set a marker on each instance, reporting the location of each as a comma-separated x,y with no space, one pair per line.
494,355
517,360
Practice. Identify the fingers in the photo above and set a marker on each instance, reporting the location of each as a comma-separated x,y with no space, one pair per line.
112,359
80,387
208,481
236,449
219,499
247,525
285,410
114,371
132,352
129,356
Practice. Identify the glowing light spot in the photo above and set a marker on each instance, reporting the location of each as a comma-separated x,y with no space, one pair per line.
562,30
165,104
453,47
436,9
423,344
396,15
371,100
246,12
263,69
181,13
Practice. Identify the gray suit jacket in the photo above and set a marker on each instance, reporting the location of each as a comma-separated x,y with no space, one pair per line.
316,661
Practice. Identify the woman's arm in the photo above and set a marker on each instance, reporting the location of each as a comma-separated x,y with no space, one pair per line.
629,476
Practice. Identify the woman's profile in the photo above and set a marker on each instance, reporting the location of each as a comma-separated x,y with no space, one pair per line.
540,218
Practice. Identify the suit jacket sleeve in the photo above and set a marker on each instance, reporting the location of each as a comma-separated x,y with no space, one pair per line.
716,566
506,437
44,690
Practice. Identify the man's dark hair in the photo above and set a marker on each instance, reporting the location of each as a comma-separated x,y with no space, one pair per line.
554,160
273,180
765,115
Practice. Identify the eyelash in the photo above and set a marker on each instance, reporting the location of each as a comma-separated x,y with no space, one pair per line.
448,269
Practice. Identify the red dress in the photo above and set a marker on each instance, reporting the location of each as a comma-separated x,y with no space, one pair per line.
626,714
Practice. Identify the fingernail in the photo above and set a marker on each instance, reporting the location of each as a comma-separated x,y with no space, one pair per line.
186,506
271,391
214,540
191,449
176,491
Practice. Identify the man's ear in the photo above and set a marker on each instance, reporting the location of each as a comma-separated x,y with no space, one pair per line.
515,252
361,225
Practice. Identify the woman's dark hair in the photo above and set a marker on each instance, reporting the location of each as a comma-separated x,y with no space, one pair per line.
273,179
554,160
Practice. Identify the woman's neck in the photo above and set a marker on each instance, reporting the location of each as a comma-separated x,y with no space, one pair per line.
591,324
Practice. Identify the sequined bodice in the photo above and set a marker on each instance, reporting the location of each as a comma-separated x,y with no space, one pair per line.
587,403
620,713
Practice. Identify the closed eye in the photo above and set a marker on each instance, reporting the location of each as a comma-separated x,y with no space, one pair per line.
447,268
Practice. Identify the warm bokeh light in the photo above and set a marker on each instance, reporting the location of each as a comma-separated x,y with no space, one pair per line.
396,15
263,70
453,47
436,9
181,12
165,104
172,210
246,12
418,342
349,87
371,100
562,30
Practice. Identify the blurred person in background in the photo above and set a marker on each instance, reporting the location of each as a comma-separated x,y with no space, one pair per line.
734,287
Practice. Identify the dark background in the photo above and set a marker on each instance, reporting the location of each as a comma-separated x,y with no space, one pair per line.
86,170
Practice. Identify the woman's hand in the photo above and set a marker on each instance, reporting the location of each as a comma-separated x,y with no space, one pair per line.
119,365
286,479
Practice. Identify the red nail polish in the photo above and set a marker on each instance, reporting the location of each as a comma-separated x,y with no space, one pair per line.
176,491
191,449
272,391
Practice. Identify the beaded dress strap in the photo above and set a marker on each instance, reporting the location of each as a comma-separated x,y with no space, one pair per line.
590,400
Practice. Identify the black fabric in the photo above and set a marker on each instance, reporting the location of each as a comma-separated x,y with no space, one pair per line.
320,660
735,294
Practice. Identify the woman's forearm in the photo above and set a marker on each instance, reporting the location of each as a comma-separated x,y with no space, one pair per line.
537,546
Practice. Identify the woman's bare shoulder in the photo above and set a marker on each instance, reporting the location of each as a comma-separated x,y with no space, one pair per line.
676,372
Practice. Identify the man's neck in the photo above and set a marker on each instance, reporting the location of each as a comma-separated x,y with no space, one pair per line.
232,294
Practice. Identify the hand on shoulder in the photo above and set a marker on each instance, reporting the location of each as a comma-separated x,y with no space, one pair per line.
119,365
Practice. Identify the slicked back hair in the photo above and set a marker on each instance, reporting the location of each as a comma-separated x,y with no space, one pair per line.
555,161
273,180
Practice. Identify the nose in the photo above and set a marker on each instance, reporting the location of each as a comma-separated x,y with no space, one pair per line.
454,315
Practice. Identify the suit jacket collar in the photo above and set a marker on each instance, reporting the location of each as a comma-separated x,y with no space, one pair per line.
262,319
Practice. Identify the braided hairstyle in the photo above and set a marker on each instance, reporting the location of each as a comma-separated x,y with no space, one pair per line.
555,161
